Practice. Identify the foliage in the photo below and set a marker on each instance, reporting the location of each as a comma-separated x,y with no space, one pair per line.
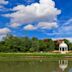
24,44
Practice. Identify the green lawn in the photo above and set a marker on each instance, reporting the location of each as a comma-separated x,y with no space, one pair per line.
33,56
37,54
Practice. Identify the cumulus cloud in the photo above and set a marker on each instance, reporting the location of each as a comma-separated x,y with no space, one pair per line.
29,27
47,25
4,31
63,31
1,6
15,25
43,11
3,2
41,25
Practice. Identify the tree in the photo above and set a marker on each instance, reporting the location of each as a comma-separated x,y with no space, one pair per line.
68,43
50,45
70,46
34,45
24,44
42,45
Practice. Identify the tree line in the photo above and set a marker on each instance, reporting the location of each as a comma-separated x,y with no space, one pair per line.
12,43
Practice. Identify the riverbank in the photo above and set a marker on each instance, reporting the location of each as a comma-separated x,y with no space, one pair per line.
33,56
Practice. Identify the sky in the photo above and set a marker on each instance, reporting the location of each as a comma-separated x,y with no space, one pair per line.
36,18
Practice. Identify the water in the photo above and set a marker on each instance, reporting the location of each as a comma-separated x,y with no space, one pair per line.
37,66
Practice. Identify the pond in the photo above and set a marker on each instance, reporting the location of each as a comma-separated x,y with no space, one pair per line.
36,66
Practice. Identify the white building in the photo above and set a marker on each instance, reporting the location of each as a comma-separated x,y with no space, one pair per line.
63,48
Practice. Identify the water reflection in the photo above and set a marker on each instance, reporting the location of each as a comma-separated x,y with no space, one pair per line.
37,66
63,64
70,70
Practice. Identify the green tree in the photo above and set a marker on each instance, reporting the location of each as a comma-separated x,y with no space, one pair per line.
50,45
68,43
42,45
34,45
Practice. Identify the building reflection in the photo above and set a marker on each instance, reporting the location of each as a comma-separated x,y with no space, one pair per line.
63,64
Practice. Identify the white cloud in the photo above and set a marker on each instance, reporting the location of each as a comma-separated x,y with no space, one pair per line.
4,31
41,25
49,2
15,25
1,6
68,22
3,2
43,11
70,39
66,28
29,27
59,32
47,25
2,37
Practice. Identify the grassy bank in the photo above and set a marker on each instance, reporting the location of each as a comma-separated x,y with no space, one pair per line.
33,56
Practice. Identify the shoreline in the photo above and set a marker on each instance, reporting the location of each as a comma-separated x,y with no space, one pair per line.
34,56
37,54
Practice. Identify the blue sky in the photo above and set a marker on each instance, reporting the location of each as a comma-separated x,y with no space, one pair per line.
36,18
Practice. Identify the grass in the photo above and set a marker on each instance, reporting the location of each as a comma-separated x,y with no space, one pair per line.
36,54
33,56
